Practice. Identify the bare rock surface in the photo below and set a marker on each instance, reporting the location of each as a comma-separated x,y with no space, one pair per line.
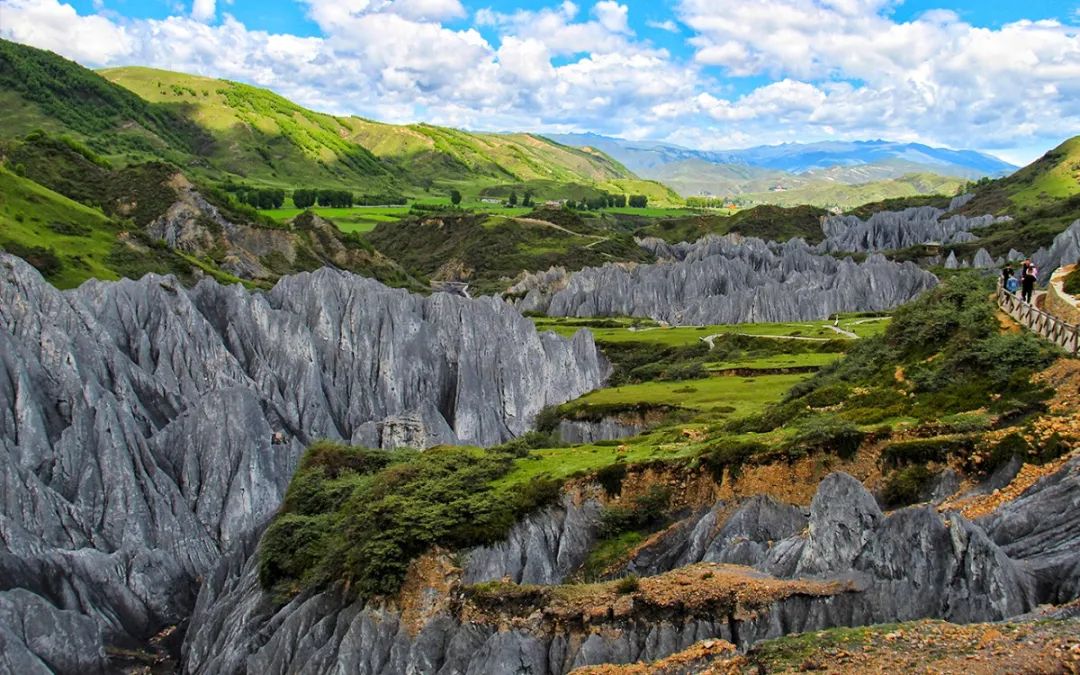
913,563
146,428
728,279
893,230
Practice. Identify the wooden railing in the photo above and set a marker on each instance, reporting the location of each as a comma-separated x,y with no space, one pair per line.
1065,335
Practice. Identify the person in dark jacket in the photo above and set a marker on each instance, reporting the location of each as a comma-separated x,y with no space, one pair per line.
1027,280
1006,274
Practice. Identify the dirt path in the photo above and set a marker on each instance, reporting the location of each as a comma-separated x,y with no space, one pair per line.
544,223
708,339
845,333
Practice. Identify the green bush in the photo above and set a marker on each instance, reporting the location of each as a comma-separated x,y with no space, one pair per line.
44,259
361,516
628,584
731,455
643,511
906,486
825,433
923,450
611,478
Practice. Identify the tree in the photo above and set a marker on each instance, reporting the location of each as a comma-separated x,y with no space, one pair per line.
303,199
455,197
639,201
513,199
620,201
571,204
528,200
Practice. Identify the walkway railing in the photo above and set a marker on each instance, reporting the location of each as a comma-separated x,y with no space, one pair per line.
1065,335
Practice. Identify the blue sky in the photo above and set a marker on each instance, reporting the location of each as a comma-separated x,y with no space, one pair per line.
1002,77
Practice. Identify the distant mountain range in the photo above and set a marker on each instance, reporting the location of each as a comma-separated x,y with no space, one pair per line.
790,166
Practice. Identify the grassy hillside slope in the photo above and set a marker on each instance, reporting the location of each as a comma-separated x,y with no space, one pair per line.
39,89
268,138
490,251
1042,198
766,221
217,130
827,194
68,241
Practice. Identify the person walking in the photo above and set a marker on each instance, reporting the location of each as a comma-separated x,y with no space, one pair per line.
1006,274
1027,280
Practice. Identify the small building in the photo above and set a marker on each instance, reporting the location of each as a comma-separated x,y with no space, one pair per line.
931,248
490,200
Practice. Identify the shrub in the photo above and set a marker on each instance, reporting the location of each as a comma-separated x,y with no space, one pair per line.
42,258
361,515
627,585
964,423
643,511
730,455
923,450
611,477
826,433
906,486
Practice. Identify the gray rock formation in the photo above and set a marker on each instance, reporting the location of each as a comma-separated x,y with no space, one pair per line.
1065,250
913,563
145,427
951,263
193,225
983,259
892,230
577,432
730,279
1042,529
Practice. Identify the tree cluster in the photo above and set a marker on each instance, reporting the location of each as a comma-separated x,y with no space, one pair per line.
596,203
638,201
262,198
333,198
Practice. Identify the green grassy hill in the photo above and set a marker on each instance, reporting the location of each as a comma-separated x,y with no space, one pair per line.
267,138
767,222
1055,175
1042,198
489,251
829,194
68,241
40,90
219,130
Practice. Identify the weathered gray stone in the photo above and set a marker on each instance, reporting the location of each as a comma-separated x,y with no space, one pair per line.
913,563
1065,250
843,516
145,427
577,432
729,279
893,230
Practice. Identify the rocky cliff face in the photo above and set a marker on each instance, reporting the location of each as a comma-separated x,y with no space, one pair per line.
892,230
1064,251
146,428
728,280
841,563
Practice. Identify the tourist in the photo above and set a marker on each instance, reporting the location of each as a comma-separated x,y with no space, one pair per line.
1006,274
1027,281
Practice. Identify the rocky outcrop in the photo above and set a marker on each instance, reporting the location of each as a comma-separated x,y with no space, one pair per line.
193,225
145,428
577,432
893,230
730,279
1042,530
1065,250
864,567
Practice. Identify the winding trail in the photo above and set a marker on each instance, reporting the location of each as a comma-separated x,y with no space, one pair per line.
845,333
708,339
